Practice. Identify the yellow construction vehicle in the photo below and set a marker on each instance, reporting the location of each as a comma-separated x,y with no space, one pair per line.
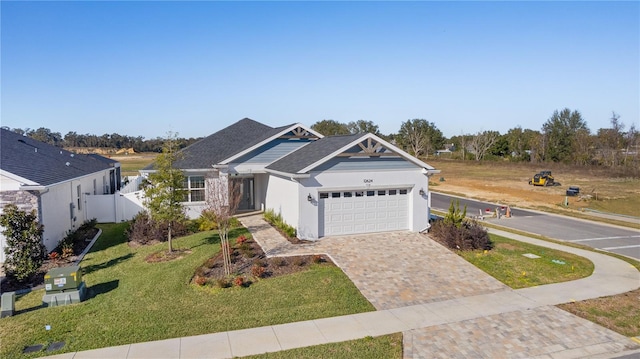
543,178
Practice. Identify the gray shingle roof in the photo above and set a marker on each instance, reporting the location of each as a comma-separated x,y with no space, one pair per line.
311,153
223,144
43,163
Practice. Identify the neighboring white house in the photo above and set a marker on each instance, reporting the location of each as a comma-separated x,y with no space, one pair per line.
322,186
54,182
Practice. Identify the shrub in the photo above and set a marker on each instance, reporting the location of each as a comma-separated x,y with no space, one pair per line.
280,261
144,230
469,236
24,252
454,216
238,281
223,283
54,256
277,221
317,259
258,271
207,221
298,261
260,263
246,250
240,240
67,251
200,280
210,263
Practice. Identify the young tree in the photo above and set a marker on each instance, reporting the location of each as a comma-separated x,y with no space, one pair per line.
166,189
223,197
24,253
454,217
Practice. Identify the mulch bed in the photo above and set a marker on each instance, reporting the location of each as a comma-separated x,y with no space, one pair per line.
249,262
37,280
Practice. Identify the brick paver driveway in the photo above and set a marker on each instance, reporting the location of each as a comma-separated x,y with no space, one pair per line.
391,269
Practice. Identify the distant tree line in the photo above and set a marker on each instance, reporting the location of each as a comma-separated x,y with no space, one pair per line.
563,138
107,141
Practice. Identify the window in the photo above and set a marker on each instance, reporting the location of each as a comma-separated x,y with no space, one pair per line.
370,193
359,194
335,194
324,195
195,188
392,192
382,193
347,194
403,191
79,190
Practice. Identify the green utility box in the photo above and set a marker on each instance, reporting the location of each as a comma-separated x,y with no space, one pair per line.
64,286
8,304
63,279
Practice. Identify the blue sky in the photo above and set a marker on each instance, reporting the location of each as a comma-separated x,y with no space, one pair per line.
147,68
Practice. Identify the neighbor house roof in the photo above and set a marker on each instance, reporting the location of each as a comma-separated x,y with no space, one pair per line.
312,155
39,163
225,144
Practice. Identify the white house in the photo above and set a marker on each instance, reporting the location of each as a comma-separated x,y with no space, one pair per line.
322,186
54,182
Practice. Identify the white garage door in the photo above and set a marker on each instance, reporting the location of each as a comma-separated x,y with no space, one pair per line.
347,212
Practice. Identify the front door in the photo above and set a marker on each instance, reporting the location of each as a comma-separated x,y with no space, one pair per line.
247,201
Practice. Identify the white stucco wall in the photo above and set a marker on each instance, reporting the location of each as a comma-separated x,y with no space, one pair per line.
57,216
327,181
260,190
283,197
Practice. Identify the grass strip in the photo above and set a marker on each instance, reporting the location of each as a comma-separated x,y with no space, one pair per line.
506,262
386,346
620,313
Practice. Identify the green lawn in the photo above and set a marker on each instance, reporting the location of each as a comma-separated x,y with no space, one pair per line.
507,264
386,346
134,301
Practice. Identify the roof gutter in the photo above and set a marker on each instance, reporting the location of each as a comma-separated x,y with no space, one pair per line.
290,175
40,189
429,172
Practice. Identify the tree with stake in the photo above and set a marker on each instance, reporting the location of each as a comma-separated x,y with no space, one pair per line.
166,189
223,198
24,251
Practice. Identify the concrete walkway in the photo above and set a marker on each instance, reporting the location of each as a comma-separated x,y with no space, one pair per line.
472,323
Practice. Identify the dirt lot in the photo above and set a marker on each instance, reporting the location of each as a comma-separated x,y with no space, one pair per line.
508,183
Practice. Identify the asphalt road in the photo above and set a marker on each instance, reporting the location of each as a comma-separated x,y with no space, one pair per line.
606,237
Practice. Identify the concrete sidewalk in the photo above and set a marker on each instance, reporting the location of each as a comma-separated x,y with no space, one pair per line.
507,313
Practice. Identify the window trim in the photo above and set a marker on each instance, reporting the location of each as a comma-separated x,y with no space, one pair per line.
190,189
